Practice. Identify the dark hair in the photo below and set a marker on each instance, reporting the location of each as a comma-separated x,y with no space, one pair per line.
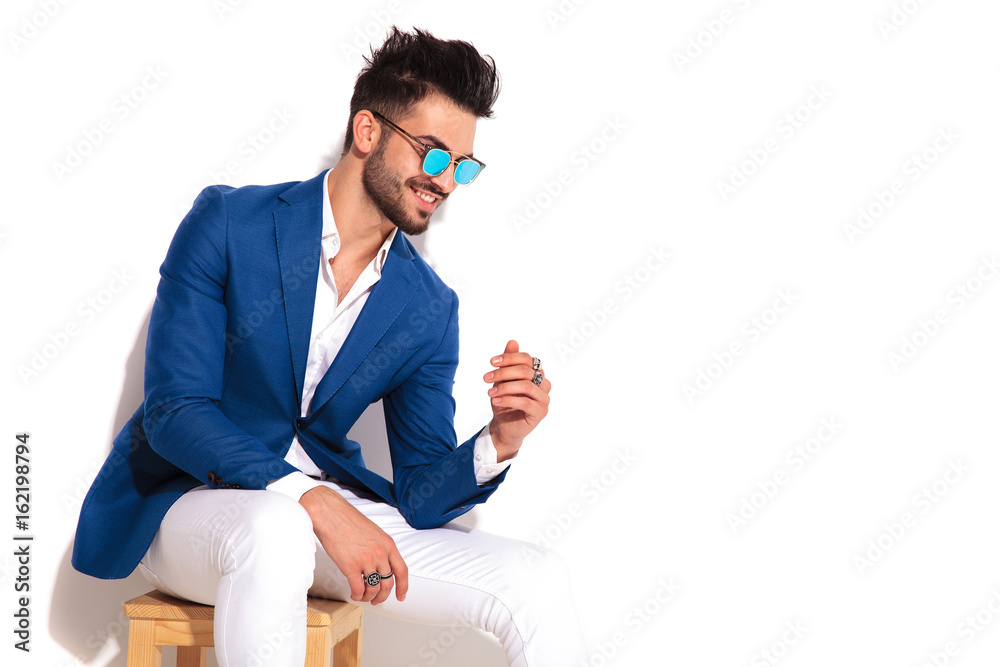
408,66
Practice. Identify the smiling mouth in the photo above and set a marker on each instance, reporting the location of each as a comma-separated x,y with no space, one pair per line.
428,198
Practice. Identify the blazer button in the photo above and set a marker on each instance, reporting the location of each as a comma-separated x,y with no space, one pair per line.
213,478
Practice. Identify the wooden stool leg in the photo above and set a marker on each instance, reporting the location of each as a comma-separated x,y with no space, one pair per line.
141,650
347,652
317,652
190,656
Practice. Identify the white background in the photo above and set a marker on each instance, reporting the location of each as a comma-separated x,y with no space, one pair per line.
817,551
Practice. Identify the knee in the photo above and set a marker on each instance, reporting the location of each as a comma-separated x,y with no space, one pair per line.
274,531
544,568
530,597
525,575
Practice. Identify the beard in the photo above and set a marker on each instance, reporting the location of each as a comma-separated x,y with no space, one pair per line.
391,196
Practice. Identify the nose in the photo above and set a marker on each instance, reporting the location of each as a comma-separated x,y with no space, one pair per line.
445,181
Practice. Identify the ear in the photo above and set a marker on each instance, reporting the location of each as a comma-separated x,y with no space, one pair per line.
366,131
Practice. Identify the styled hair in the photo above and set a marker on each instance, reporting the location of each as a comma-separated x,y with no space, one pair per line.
408,66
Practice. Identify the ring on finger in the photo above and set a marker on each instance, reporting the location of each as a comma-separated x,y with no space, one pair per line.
374,579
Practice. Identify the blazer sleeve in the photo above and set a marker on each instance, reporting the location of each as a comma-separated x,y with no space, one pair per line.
434,480
185,354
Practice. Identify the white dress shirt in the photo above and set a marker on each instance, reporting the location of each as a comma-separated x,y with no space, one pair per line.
331,323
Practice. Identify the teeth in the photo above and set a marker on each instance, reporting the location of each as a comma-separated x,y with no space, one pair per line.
426,197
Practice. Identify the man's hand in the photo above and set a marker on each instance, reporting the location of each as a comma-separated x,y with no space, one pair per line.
518,403
357,546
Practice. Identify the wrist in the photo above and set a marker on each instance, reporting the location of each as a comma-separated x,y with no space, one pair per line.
319,498
505,449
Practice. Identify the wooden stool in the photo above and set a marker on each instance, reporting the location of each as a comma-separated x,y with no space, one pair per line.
157,620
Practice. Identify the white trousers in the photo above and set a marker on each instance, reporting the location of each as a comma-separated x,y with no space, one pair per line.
253,555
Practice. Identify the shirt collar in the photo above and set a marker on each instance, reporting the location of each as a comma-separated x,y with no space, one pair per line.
331,237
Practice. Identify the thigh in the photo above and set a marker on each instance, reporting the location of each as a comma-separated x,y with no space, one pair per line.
208,534
455,573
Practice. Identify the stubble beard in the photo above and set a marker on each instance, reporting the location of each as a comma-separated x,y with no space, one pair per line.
391,196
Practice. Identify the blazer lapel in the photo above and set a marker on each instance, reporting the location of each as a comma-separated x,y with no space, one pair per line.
298,228
385,302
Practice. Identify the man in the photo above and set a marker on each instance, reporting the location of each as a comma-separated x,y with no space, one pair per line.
282,313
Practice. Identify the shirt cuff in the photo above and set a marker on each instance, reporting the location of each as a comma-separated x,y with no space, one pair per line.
293,485
484,458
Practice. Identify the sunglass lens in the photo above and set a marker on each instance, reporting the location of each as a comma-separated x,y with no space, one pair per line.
436,161
466,171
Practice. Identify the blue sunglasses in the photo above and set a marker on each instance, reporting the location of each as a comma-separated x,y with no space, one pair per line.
437,160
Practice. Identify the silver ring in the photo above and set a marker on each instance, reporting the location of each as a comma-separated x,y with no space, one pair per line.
536,363
538,377
374,579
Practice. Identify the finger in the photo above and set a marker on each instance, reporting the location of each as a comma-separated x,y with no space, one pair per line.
400,574
511,359
539,394
384,588
507,373
373,592
533,411
530,405
370,591
358,587
526,388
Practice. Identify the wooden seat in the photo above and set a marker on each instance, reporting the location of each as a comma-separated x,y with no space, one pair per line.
157,620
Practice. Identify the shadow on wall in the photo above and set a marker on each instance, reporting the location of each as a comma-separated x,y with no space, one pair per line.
86,615
87,618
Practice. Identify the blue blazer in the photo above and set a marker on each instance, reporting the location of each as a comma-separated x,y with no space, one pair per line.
225,362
